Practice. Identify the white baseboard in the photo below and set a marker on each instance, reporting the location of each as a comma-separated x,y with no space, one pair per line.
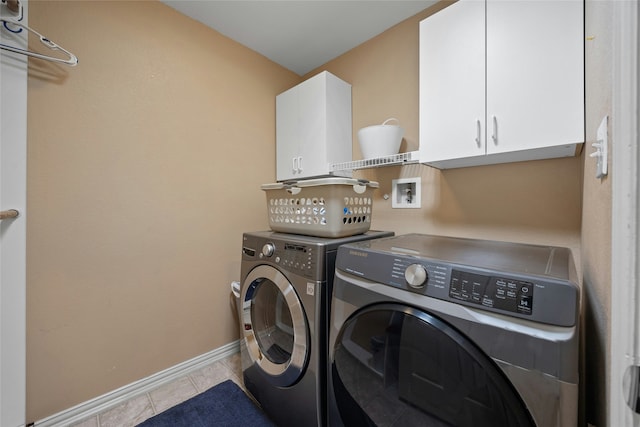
109,400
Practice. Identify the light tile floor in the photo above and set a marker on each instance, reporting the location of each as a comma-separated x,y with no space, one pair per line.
140,408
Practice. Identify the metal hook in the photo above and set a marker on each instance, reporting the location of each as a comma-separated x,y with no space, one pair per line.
72,61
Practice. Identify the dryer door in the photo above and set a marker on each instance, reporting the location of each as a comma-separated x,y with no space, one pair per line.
398,366
275,327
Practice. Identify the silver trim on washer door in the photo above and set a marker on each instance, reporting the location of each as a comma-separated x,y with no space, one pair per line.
287,373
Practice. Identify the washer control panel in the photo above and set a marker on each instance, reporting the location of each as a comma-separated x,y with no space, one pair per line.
297,258
310,257
301,259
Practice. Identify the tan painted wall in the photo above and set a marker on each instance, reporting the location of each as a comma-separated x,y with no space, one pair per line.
144,169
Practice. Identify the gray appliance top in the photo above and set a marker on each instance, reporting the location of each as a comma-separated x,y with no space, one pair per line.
308,256
325,242
504,256
536,283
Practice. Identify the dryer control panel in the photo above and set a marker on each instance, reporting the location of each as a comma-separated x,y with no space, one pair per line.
530,282
490,291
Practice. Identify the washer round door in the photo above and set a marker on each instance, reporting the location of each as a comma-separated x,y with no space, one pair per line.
399,366
275,326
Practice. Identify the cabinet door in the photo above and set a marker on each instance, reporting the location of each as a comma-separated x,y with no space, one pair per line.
535,74
287,134
312,98
452,82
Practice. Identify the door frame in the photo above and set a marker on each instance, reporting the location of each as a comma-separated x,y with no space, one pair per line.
13,171
625,252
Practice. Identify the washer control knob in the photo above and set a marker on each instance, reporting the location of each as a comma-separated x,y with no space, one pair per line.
416,276
268,249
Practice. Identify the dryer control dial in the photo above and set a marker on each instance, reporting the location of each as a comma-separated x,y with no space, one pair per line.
416,276
268,249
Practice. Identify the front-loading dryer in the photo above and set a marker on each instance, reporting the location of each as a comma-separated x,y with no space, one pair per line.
283,308
438,331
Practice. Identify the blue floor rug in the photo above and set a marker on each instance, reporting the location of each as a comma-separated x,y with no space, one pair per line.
224,405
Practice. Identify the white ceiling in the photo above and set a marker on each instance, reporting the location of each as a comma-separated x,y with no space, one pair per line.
304,34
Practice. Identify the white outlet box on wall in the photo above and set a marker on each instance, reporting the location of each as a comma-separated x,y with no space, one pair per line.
405,193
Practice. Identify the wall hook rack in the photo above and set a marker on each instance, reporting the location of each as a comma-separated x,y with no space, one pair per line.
8,214
9,24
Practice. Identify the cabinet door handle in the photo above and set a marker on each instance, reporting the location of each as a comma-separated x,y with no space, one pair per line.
494,137
300,164
478,133
294,166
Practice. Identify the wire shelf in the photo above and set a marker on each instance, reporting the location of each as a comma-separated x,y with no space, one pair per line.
395,159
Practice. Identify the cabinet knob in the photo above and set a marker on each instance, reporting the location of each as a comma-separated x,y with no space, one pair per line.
297,164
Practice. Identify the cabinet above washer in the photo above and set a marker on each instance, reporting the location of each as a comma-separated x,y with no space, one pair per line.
313,128
501,81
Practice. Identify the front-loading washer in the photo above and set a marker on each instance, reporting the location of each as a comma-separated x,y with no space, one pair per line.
438,331
283,308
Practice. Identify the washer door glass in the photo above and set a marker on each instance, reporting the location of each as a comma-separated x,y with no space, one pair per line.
397,366
275,327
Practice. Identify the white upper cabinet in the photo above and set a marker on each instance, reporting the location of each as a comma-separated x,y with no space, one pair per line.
501,81
313,128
